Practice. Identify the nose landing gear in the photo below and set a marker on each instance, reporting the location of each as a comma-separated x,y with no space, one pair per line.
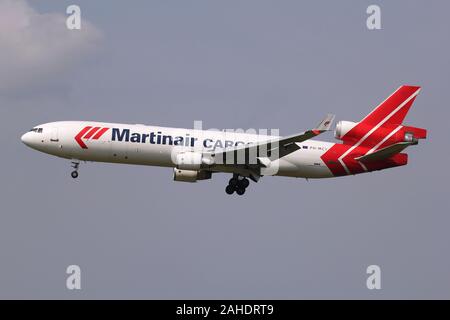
75,165
237,184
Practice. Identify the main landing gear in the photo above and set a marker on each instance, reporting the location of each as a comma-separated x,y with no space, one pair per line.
75,165
238,184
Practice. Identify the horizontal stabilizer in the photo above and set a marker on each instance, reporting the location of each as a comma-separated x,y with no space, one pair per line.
385,152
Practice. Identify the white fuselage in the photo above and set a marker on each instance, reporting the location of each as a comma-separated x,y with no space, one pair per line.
155,146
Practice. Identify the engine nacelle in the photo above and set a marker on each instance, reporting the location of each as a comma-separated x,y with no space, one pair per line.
342,127
405,134
189,161
413,134
190,175
192,161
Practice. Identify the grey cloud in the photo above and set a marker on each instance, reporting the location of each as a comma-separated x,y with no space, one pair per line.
35,50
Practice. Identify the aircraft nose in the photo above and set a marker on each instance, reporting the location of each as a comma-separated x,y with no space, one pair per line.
26,139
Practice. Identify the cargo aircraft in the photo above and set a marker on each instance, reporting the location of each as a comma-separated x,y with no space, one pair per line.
376,142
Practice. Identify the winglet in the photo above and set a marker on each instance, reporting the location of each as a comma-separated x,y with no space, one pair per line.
325,124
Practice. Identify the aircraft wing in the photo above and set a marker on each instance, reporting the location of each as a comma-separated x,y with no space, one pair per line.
260,154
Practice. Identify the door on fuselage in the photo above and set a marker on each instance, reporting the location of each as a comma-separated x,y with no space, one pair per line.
53,134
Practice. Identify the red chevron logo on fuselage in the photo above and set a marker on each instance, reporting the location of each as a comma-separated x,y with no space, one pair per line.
89,132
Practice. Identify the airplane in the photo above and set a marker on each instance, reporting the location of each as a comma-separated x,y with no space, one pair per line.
374,143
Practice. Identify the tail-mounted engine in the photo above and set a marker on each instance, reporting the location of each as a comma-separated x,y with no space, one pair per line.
413,134
342,127
353,132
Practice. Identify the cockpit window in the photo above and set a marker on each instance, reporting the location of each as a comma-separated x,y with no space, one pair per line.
37,130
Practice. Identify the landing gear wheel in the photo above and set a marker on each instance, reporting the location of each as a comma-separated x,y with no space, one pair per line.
229,189
240,191
233,182
75,165
244,183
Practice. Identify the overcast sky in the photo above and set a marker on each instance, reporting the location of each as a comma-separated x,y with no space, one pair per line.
135,233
